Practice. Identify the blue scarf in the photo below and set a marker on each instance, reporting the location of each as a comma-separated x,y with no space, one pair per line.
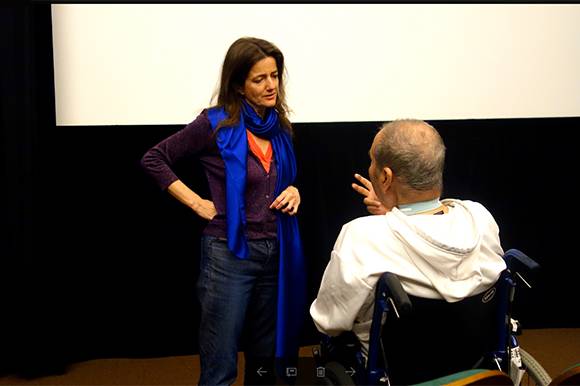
233,145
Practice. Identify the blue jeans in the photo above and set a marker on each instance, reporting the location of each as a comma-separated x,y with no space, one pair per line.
238,300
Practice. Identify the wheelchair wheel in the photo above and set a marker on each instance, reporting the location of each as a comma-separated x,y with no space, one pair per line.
535,373
335,374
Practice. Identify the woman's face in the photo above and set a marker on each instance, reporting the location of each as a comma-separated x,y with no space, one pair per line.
261,86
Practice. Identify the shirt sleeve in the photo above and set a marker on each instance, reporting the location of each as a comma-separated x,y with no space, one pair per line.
342,292
191,140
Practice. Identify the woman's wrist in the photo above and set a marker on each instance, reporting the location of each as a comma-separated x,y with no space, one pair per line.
195,203
293,187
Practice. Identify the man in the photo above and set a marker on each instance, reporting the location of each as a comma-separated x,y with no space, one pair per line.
441,249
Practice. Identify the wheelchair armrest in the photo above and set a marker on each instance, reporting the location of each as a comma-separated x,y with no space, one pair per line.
389,286
518,262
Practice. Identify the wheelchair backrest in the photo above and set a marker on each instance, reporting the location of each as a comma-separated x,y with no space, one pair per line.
437,338
433,338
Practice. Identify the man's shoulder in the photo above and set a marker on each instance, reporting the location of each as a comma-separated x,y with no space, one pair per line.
479,212
364,226
364,221
469,204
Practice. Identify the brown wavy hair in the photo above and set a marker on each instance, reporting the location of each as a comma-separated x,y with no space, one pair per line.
240,58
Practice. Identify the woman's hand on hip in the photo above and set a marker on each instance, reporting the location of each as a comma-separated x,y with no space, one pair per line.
205,209
288,201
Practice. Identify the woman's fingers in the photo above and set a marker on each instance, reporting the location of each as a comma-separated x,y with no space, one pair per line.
291,208
207,210
280,201
288,201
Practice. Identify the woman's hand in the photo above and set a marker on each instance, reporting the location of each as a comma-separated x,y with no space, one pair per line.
374,206
205,209
288,201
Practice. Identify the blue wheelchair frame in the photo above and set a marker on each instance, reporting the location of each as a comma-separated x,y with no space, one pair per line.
391,299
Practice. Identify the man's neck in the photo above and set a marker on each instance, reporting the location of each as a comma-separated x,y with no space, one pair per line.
423,207
411,196
424,202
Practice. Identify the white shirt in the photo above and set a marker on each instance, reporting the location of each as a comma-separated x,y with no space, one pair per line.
448,256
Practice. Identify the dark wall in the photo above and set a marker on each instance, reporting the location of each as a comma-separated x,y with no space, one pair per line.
130,252
522,170
97,262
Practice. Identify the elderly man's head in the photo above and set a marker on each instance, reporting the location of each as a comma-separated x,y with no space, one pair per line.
407,160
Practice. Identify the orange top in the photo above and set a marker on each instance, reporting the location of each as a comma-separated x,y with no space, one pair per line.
265,159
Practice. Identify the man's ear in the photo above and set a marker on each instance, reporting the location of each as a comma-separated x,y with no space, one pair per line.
386,178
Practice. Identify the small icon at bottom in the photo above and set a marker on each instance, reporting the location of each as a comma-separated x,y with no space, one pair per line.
291,371
320,372
261,372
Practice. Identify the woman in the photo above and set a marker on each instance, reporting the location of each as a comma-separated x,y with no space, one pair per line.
252,265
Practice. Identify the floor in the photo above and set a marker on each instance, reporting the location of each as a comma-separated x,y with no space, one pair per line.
555,349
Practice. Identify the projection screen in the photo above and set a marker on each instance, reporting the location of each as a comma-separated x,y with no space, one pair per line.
144,64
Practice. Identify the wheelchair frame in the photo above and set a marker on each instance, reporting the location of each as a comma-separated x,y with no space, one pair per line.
390,298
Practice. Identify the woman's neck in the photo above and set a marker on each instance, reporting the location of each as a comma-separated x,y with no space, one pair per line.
259,110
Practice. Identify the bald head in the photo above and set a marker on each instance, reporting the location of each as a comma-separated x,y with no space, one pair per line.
414,151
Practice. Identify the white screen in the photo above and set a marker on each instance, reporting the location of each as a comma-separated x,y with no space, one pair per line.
131,64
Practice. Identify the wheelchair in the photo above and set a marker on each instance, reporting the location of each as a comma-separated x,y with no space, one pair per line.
414,340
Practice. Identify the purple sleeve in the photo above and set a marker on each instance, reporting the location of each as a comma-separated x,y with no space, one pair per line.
189,141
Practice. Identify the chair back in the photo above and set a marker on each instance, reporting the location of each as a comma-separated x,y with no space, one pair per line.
424,339
436,338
